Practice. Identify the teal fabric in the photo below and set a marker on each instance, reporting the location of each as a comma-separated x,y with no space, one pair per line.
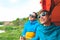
30,26
51,32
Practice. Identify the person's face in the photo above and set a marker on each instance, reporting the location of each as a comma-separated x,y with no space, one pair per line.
32,16
44,18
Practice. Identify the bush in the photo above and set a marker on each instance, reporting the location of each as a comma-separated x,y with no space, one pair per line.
12,33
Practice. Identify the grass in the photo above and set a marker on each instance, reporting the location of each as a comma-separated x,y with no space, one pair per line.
12,32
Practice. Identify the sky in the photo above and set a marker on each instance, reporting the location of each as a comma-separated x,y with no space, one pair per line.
12,9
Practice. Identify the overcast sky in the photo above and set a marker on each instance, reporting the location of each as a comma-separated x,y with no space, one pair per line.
12,9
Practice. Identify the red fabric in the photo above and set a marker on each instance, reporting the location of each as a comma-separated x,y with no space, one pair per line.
55,16
46,4
56,1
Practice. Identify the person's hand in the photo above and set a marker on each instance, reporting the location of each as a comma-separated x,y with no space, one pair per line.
22,38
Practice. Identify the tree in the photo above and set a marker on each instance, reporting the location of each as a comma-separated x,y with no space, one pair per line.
19,22
1,23
16,22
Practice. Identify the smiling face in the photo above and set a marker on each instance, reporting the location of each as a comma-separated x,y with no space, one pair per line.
44,18
32,16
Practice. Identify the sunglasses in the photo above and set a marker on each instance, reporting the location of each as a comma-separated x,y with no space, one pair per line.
32,16
42,14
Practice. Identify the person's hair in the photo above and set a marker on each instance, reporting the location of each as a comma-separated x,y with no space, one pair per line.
35,14
44,11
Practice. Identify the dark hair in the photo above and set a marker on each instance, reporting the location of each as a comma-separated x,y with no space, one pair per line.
45,11
36,14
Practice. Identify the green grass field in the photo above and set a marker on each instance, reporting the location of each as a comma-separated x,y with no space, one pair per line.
11,32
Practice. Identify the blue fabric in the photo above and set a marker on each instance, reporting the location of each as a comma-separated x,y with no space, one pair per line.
30,27
51,32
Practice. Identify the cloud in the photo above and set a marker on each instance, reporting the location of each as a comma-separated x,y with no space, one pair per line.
13,1
12,9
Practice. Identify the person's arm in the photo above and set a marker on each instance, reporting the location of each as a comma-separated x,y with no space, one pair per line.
23,33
